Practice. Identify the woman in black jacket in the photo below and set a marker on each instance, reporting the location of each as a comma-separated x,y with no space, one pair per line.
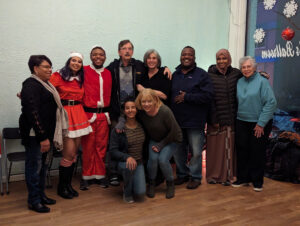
154,77
127,149
220,153
220,157
42,121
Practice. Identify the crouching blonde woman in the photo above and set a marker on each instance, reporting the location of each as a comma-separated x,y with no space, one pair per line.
164,133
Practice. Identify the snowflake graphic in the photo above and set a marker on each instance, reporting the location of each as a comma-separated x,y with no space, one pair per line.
259,35
269,4
290,9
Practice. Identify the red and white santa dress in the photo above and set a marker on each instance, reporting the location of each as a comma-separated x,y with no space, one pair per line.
71,94
96,100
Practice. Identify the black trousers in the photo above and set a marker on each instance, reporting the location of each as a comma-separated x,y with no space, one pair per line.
251,152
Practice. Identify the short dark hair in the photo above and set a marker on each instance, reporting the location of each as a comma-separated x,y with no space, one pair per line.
36,60
124,42
189,47
97,47
66,72
127,99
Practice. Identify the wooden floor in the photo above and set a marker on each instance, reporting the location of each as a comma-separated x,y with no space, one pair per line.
278,204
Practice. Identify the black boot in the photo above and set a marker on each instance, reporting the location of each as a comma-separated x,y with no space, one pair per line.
170,189
151,189
62,189
69,185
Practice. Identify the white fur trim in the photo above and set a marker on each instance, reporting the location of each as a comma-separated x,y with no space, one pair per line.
93,177
101,89
80,132
99,104
93,118
72,78
107,118
96,46
74,54
32,133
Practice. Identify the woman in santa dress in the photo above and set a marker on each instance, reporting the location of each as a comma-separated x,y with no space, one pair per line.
69,83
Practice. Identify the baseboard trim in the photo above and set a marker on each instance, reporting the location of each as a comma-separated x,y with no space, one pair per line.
21,177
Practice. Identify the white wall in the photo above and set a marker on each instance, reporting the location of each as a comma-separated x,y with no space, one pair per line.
57,27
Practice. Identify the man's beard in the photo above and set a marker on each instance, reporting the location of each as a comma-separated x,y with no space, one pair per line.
97,66
188,67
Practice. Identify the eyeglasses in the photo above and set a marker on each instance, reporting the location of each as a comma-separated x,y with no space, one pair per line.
124,48
46,67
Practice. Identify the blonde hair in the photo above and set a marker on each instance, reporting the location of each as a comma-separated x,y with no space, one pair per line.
147,93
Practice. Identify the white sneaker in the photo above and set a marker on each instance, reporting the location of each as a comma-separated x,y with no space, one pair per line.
258,189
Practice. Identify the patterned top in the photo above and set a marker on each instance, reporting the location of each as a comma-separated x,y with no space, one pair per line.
136,138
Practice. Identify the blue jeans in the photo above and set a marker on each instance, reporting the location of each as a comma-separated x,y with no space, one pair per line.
193,140
35,171
134,180
162,159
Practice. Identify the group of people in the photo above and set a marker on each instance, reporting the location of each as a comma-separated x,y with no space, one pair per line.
134,115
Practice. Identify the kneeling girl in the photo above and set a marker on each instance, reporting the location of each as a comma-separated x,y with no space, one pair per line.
127,149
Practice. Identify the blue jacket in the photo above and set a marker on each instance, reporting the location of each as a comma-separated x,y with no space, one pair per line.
256,100
192,113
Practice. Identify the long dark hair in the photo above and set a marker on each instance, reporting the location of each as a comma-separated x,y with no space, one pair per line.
66,73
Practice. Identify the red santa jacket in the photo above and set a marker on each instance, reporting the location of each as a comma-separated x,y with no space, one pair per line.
97,88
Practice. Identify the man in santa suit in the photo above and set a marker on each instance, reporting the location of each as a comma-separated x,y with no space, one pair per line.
96,102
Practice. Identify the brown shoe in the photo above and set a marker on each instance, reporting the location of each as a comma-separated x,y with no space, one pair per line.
192,184
181,180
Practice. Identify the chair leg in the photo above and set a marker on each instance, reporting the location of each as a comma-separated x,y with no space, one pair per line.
5,167
9,172
76,164
48,177
1,184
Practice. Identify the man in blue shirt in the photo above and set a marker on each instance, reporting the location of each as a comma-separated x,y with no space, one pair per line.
192,92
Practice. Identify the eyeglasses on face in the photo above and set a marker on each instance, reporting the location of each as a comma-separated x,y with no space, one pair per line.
126,48
46,66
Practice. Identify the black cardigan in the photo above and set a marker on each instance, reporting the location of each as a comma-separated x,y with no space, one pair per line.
38,111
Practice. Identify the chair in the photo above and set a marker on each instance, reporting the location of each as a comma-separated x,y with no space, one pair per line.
1,185
79,159
11,134
58,154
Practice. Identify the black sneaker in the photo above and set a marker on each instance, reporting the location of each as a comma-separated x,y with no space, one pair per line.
257,189
212,182
239,183
226,183
84,184
103,183
181,180
114,181
128,199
